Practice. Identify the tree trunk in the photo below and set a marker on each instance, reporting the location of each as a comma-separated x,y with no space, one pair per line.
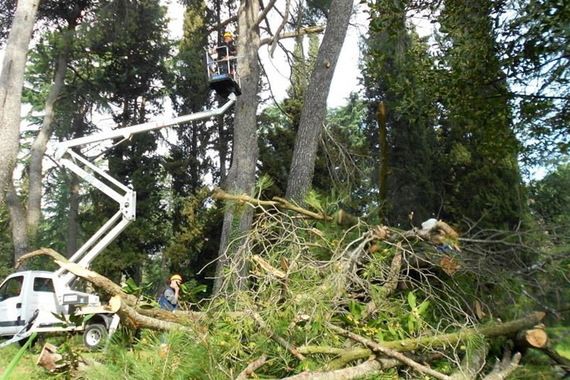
11,83
18,222
72,221
40,143
313,113
383,162
241,176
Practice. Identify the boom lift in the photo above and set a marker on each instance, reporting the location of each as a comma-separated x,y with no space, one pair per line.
29,299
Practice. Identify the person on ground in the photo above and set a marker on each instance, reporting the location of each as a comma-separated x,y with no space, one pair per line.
169,298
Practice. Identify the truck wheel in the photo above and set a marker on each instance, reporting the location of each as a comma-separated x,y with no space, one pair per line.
94,336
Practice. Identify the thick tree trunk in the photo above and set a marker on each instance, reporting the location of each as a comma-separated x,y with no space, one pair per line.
241,177
11,82
314,110
40,143
72,220
18,222
383,162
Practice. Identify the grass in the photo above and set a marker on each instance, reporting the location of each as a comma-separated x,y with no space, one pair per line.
27,368
142,360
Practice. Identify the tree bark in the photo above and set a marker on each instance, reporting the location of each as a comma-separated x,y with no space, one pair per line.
72,220
18,222
367,368
241,176
383,162
11,83
251,367
377,348
40,143
313,113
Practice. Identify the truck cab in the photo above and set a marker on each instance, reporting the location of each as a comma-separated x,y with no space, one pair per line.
26,295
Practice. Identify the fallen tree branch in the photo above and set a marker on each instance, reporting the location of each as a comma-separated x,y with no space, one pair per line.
437,341
252,367
268,267
388,352
369,367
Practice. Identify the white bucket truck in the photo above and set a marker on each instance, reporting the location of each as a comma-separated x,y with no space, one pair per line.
34,301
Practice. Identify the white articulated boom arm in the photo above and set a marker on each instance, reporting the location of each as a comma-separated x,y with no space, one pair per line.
123,195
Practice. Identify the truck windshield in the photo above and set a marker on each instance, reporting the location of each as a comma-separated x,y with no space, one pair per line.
11,288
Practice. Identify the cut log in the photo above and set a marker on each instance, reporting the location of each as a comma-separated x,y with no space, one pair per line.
535,338
49,358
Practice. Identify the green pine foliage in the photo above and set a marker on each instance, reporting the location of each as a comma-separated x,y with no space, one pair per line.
483,181
399,72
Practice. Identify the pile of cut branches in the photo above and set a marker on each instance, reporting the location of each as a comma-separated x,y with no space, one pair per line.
326,299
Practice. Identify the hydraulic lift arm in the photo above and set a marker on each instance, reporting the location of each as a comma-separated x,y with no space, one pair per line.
123,195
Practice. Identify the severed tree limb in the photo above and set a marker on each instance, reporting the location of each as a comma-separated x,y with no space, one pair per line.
41,252
251,367
277,202
369,367
442,340
388,352
348,356
131,318
104,284
268,267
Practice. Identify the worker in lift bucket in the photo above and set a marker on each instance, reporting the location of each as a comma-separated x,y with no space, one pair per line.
168,300
228,52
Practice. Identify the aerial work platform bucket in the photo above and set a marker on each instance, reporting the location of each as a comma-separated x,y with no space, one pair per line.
222,72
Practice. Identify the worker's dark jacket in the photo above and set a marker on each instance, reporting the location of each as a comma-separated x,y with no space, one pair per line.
232,49
167,301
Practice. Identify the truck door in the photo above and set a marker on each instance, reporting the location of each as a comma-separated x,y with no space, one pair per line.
11,318
43,298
